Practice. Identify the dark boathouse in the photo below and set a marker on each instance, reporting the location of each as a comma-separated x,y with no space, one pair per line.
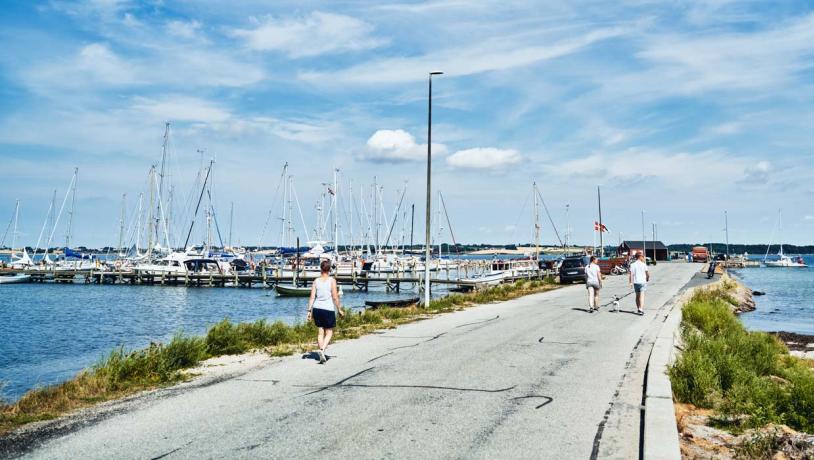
653,247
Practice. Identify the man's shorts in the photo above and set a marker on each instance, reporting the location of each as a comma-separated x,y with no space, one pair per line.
639,287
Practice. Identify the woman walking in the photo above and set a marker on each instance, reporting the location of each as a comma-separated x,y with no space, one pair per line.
322,307
593,281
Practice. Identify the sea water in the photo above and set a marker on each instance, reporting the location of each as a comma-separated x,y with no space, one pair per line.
789,301
49,332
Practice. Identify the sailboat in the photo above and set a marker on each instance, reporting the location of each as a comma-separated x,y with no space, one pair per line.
783,261
16,263
292,290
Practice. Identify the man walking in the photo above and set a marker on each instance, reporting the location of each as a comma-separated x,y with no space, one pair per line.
593,281
638,277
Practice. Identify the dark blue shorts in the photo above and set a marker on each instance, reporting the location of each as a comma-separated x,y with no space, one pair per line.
324,318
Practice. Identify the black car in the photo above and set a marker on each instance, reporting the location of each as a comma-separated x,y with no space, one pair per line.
573,269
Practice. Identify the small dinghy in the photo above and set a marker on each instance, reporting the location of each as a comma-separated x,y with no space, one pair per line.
289,290
15,278
393,303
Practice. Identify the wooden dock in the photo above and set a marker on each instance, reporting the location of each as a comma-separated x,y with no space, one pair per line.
393,282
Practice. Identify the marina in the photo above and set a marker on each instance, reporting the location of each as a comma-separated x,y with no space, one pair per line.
474,274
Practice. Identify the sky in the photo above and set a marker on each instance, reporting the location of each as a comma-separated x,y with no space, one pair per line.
680,111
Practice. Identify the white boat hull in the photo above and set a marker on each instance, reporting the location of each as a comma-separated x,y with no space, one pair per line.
14,279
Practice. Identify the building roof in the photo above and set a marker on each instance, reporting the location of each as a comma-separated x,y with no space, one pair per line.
638,245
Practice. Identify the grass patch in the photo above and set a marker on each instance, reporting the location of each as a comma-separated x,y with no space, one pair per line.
123,372
748,378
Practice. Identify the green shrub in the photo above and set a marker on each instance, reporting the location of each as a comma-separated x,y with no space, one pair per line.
747,377
183,352
224,338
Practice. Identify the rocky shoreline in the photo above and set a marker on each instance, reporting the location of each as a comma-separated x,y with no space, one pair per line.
800,345
700,440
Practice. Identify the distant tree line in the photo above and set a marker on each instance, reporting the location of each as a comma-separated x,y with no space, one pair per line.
720,248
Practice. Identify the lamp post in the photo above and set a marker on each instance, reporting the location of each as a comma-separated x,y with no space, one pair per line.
429,193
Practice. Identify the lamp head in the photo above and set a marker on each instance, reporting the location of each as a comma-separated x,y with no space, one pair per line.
436,72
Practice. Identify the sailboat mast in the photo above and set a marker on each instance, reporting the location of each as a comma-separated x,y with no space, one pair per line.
780,228
161,178
52,216
197,206
70,213
14,233
150,218
283,208
138,226
336,216
290,228
208,221
536,221
231,217
350,219
376,213
412,225
121,224
726,230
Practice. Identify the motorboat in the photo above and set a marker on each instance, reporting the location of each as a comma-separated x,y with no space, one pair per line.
14,278
516,267
183,263
487,279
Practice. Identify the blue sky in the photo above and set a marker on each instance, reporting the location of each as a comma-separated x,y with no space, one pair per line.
681,109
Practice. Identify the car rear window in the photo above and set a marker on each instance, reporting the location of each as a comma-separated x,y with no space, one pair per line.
572,263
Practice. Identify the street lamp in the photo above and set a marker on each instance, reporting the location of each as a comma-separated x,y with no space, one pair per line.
429,193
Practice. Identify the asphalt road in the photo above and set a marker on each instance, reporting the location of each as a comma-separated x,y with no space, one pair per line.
535,377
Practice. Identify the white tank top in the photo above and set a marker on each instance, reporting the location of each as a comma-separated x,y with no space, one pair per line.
323,299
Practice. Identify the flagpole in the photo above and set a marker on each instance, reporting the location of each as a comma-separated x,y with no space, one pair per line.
594,246
601,228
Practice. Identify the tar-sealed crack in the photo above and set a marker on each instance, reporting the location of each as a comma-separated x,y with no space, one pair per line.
477,322
548,399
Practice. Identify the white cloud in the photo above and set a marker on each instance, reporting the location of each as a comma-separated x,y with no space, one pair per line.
312,35
180,108
758,173
305,131
183,29
695,63
808,218
97,65
726,128
485,56
634,165
386,145
93,64
483,158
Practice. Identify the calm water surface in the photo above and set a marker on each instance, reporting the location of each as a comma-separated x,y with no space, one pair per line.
49,332
789,301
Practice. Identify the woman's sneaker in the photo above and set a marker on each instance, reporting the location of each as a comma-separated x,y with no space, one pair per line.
322,359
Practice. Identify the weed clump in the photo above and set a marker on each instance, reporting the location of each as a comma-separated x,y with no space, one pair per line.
748,378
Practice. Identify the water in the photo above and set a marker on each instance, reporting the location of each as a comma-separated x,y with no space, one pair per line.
49,332
789,301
